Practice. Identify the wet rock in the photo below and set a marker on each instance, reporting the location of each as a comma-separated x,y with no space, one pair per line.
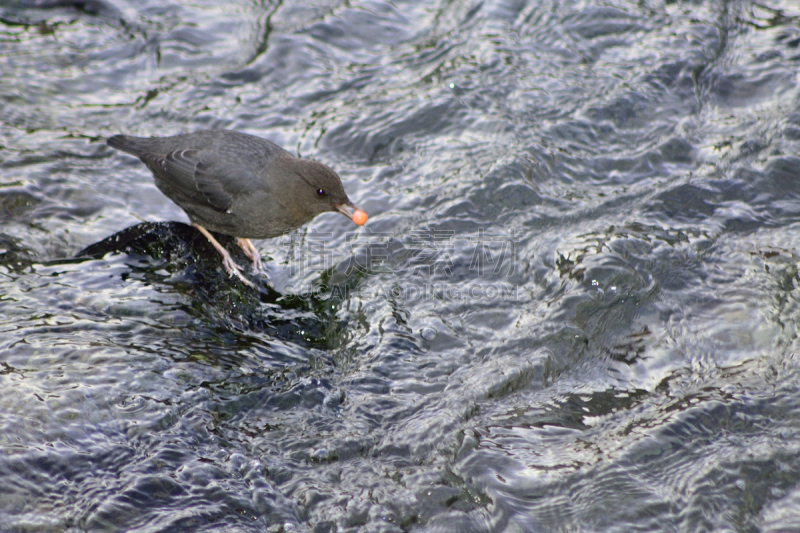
180,245
176,254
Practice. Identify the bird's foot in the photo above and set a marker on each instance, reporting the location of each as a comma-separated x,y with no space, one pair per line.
251,252
234,270
230,265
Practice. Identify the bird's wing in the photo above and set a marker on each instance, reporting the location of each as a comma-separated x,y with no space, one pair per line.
218,183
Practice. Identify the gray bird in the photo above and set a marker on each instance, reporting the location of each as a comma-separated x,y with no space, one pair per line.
240,185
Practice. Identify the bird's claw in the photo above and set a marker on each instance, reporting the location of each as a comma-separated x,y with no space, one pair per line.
251,252
234,270
230,265
258,266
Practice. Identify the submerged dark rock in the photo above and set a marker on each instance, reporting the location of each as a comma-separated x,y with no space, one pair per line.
156,239
178,243
194,267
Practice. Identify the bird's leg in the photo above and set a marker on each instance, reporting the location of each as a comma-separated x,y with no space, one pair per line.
251,252
227,261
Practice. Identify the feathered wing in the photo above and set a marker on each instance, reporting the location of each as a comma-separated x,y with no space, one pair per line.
187,172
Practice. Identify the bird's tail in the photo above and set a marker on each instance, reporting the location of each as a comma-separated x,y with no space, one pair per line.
129,144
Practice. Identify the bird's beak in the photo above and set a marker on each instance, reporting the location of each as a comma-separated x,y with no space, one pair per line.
352,212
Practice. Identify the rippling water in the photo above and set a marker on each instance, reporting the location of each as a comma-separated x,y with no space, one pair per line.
574,308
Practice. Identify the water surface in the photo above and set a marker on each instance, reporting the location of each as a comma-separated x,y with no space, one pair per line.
574,307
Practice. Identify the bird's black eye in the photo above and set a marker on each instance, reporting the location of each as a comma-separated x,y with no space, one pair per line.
320,192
